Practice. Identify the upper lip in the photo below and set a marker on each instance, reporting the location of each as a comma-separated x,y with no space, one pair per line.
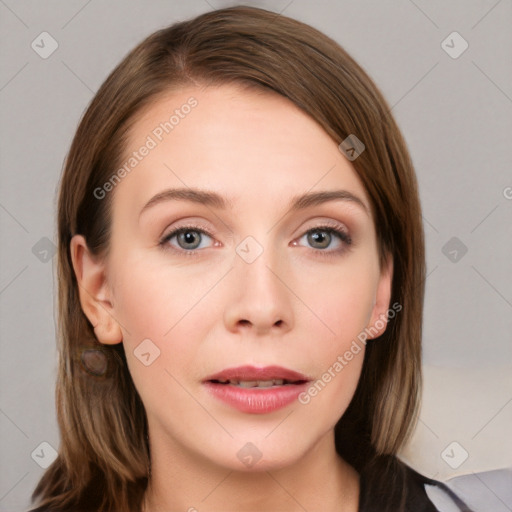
251,373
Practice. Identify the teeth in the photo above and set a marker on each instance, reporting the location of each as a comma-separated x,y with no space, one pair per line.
255,383
265,383
247,383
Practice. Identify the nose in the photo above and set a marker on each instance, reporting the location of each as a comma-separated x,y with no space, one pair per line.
260,299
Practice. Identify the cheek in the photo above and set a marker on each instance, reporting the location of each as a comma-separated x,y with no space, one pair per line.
151,307
152,300
343,301
171,306
337,355
341,298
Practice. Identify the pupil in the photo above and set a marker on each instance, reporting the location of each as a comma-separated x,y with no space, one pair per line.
190,237
320,237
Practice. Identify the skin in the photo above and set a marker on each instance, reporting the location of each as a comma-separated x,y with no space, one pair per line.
299,304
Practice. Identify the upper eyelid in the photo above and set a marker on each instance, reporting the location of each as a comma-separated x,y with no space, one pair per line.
319,220
191,227
325,224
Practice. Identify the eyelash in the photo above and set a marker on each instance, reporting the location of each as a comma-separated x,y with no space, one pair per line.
332,229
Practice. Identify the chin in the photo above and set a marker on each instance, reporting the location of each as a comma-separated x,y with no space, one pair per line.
258,455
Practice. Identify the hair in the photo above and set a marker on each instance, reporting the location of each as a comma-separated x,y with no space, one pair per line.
103,458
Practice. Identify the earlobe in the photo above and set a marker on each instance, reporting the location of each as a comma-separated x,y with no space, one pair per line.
94,294
379,316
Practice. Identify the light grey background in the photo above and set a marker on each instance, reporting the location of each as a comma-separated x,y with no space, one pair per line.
455,113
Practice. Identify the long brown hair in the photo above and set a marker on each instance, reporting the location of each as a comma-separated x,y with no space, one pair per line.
104,455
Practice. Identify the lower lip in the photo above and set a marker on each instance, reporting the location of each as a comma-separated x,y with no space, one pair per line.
256,400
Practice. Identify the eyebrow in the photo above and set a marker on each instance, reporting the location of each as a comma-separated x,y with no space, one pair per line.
215,200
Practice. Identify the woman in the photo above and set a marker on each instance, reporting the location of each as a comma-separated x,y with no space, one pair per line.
241,278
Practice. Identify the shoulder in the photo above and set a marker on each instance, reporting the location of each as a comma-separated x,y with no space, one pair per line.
388,484
488,490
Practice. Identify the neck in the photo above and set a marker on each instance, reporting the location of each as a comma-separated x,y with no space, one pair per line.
182,481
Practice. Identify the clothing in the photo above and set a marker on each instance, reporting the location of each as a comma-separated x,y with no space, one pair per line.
388,483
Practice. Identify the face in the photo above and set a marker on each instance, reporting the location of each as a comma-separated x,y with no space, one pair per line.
241,280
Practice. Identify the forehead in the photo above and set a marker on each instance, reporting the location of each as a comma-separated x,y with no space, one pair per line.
244,144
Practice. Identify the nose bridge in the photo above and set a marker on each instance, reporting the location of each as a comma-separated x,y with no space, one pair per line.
260,300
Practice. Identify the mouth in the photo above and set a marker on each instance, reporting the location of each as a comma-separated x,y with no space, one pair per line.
253,377
256,390
259,384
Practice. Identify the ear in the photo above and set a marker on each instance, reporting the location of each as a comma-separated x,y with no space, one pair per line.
94,292
379,317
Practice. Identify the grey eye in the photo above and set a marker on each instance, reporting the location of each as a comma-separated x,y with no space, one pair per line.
189,239
319,238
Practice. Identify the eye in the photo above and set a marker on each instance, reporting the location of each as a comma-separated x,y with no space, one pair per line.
188,238
324,239
327,239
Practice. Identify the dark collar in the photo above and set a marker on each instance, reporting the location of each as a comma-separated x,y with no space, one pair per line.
389,485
